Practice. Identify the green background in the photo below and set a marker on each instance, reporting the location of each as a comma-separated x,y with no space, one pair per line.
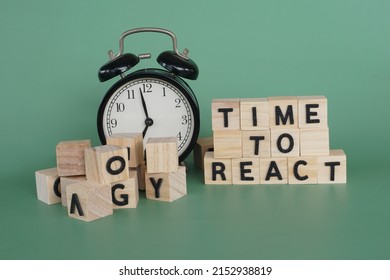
50,52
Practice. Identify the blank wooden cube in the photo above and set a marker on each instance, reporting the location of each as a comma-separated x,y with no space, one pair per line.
140,170
285,142
88,201
302,170
70,157
166,186
254,113
65,181
48,186
106,164
314,141
283,112
256,143
332,169
133,142
246,171
217,171
225,114
227,144
125,193
313,111
161,155
273,170
202,146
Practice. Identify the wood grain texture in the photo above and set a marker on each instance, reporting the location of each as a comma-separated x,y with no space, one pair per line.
256,143
246,171
173,185
313,111
282,140
131,141
202,146
314,141
302,170
225,114
45,181
95,200
65,181
70,157
227,143
273,170
336,160
125,193
254,113
161,155
283,104
100,163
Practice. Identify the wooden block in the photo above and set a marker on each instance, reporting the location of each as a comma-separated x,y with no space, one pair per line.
254,113
273,170
133,142
227,144
217,171
313,111
302,170
314,141
225,114
70,157
332,169
166,186
202,146
88,201
161,155
285,142
256,143
141,170
106,164
48,186
246,171
125,193
283,112
65,181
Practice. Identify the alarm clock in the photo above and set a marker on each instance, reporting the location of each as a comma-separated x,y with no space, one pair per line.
154,102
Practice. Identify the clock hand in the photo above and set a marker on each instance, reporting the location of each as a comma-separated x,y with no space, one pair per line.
144,104
148,121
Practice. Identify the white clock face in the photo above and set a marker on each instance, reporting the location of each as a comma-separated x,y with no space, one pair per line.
165,111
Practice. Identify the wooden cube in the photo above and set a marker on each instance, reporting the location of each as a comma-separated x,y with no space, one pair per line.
70,157
88,201
48,186
225,114
202,146
302,170
106,164
273,170
314,141
283,112
217,171
166,186
133,142
313,111
332,169
285,142
140,170
65,181
162,155
246,171
227,144
256,143
125,193
254,113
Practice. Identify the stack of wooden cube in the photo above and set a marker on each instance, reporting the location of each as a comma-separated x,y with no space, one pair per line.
165,178
92,181
275,140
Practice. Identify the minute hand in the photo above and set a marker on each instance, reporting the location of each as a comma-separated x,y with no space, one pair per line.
144,105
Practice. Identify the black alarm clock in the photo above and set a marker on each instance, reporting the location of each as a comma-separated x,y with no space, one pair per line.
154,102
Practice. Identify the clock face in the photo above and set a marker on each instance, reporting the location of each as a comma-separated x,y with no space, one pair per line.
151,106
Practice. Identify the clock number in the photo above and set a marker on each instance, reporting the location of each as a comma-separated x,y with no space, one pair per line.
146,88
163,92
179,137
184,119
113,123
120,107
130,95
178,101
